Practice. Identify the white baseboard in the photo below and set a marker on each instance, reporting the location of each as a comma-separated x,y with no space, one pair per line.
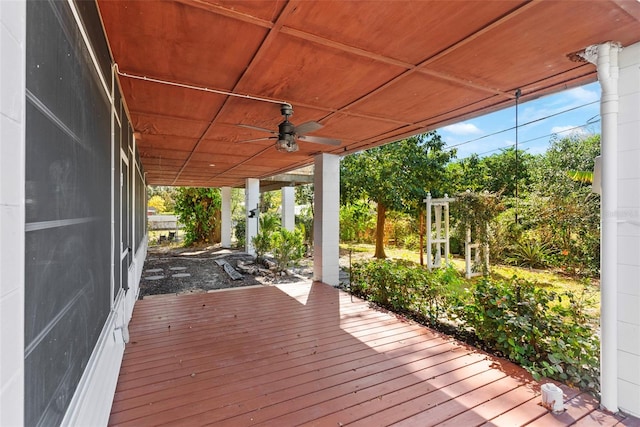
91,403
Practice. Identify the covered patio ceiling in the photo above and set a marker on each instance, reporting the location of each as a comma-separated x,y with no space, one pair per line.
371,72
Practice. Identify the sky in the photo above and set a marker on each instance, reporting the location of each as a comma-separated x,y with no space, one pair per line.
575,110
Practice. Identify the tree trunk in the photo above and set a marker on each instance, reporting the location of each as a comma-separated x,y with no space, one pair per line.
382,213
217,232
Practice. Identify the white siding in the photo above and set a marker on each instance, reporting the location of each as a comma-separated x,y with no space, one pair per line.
629,231
12,155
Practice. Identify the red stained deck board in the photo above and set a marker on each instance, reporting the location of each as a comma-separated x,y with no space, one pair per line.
310,354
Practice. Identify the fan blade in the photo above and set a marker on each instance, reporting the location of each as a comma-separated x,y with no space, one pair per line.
307,127
265,138
257,128
319,140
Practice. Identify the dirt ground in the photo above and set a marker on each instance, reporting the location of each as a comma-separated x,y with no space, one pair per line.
177,270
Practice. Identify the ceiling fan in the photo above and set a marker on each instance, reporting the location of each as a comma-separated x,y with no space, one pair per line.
288,133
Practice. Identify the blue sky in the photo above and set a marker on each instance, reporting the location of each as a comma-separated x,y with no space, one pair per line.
559,113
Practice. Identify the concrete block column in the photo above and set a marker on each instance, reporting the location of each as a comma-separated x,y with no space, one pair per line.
326,226
289,208
12,210
251,199
627,216
226,217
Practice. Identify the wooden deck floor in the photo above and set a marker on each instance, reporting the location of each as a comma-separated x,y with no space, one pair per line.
306,354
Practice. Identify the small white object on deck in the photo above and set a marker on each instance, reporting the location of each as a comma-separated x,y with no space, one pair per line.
552,398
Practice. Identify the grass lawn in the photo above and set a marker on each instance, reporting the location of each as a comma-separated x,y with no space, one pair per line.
549,279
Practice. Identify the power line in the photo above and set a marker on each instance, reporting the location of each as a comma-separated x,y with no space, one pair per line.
536,138
521,125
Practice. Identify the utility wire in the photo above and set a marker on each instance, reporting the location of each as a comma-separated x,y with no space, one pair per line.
521,125
535,139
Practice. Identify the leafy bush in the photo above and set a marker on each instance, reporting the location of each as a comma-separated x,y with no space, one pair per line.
287,246
304,220
240,230
261,243
269,224
198,209
405,286
401,229
529,253
357,222
532,327
284,245
548,333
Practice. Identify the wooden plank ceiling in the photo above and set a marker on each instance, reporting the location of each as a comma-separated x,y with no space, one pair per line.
371,72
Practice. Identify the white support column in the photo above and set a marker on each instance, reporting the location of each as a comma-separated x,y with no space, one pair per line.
429,235
605,56
225,225
12,211
628,231
288,208
251,199
326,226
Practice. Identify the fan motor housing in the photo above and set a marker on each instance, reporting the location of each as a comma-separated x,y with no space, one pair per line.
286,128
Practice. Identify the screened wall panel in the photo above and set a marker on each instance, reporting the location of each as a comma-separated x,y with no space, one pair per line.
68,210
141,206
116,250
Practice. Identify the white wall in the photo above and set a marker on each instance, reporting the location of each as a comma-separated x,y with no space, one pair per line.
628,216
226,217
12,173
251,200
288,208
326,219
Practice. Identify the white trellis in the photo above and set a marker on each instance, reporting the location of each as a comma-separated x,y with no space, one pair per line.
438,238
472,250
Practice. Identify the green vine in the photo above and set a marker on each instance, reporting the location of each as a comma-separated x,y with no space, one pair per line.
476,211
198,209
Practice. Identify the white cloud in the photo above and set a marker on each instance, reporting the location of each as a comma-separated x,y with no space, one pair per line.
582,95
569,130
577,97
561,129
462,129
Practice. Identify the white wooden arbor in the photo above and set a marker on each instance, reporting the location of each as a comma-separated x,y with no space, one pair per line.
438,247
437,239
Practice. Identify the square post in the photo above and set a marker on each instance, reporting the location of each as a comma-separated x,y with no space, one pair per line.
326,226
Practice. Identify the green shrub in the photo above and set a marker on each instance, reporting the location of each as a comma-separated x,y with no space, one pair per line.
536,329
406,287
287,246
357,222
529,253
261,243
269,224
548,333
198,209
240,230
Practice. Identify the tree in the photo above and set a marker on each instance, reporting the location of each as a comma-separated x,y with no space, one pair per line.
495,173
157,203
198,209
567,213
395,176
167,194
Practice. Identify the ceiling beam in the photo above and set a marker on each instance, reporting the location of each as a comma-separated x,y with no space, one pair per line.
229,13
268,40
492,25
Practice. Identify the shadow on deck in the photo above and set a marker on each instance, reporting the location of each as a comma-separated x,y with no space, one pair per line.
308,354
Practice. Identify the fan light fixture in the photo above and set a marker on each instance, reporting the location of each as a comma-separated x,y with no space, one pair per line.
287,143
288,133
